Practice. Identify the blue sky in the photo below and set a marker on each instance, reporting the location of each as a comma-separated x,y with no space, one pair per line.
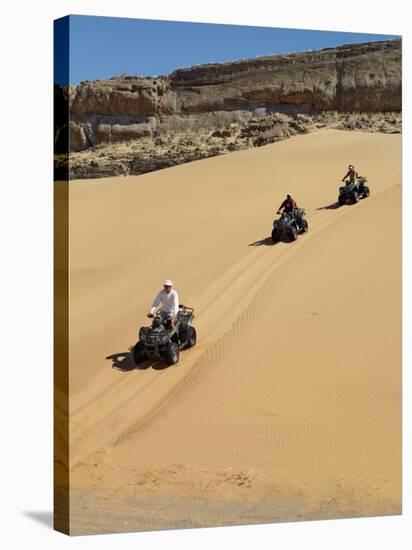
101,47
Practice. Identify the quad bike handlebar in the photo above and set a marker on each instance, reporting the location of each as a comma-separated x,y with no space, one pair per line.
154,315
186,309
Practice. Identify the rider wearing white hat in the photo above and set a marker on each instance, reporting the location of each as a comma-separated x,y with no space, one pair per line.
169,300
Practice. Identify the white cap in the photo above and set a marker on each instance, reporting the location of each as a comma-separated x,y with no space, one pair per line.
167,282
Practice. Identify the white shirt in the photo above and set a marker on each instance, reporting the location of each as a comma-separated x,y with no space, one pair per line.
169,301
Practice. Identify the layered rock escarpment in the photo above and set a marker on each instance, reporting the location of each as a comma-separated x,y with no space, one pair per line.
356,78
360,77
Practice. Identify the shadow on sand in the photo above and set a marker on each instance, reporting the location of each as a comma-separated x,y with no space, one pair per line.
333,206
267,241
124,361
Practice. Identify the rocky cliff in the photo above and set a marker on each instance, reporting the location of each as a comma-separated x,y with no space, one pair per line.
360,77
356,78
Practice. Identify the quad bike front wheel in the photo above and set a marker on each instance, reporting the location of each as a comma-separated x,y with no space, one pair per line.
275,236
355,197
305,226
366,192
293,234
341,200
172,353
138,354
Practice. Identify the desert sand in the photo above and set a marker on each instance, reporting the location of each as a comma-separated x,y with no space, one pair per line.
289,407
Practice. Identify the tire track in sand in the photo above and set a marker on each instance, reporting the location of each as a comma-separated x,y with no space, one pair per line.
239,285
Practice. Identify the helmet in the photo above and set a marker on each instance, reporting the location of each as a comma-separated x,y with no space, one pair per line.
289,196
167,282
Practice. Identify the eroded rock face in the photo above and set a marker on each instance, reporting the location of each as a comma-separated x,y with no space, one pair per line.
353,78
122,96
359,77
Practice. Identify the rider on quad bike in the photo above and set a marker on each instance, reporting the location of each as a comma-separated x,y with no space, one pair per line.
291,222
351,174
288,205
169,300
171,330
290,208
355,187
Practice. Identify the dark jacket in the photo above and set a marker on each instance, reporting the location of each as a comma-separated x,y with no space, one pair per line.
289,205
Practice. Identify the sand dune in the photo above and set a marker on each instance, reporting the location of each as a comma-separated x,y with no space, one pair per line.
289,407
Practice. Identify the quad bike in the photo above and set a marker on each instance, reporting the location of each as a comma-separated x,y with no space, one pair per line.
353,191
163,340
289,225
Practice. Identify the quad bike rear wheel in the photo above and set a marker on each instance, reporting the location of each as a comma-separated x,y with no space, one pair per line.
191,337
